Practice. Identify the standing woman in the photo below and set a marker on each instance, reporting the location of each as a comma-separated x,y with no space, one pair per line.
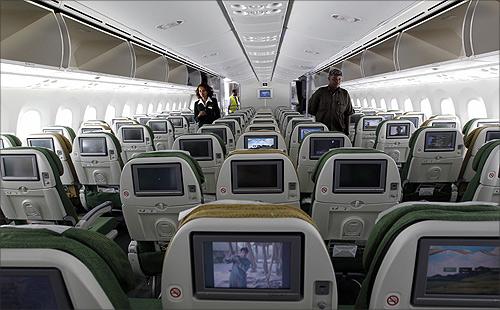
206,108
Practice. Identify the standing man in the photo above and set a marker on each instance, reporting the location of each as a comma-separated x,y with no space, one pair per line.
331,104
241,264
234,102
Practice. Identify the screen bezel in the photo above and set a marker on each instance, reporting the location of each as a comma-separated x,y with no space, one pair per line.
229,124
159,122
489,133
426,149
204,140
34,166
93,154
171,119
206,130
199,268
274,137
312,140
52,148
353,190
300,136
61,295
90,129
279,189
388,132
371,128
135,180
418,295
132,128
444,122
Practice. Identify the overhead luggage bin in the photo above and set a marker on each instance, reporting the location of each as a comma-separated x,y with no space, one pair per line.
30,33
194,77
97,51
150,65
351,68
178,73
484,26
379,59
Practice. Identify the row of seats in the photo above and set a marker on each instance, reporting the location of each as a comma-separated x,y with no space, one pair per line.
420,254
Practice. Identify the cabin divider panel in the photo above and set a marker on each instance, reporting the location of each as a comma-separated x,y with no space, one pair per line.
30,33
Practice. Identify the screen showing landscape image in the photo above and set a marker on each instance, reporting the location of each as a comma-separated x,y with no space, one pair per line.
463,270
251,265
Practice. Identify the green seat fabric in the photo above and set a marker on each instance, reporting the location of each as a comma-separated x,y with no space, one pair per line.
145,303
150,259
192,163
411,145
392,224
12,139
57,167
468,125
377,132
105,260
477,165
95,198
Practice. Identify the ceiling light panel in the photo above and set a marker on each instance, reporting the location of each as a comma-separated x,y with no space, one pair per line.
259,24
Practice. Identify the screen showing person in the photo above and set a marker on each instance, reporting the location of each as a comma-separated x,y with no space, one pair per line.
19,168
158,126
220,132
492,135
398,131
90,129
261,142
263,121
157,179
303,131
370,124
176,122
93,146
248,267
53,130
444,124
415,120
230,125
46,143
132,135
440,141
33,288
359,176
320,145
257,176
255,128
457,272
199,149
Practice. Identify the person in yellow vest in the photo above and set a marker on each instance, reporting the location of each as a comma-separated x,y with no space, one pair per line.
234,102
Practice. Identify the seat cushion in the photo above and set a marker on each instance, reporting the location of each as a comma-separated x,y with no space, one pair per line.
14,141
105,260
392,224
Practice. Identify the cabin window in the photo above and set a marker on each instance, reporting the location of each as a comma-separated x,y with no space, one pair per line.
365,103
110,114
140,109
408,105
150,108
358,102
90,113
159,108
126,111
394,104
29,122
64,117
425,107
476,108
447,106
383,105
167,106
373,103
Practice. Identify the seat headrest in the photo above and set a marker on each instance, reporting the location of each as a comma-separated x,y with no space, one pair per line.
483,153
246,211
52,157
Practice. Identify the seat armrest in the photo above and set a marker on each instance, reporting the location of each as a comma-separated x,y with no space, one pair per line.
89,219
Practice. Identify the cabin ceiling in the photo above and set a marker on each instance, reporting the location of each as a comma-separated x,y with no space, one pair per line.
199,30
